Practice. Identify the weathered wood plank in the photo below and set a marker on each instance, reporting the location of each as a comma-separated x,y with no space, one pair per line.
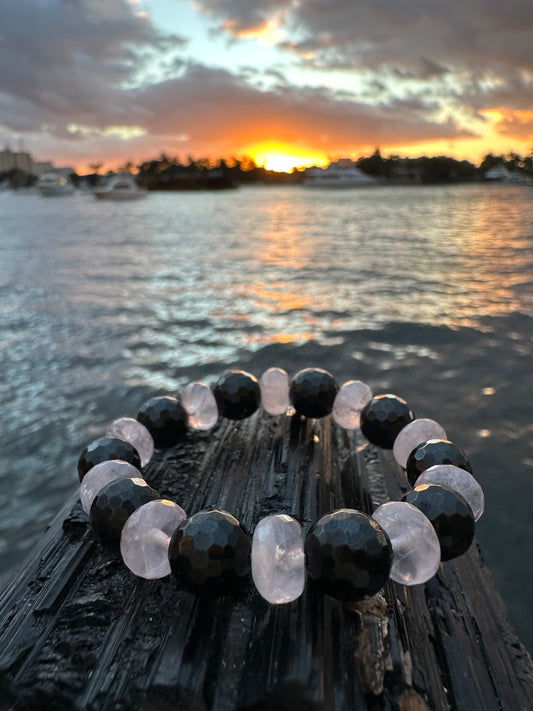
79,631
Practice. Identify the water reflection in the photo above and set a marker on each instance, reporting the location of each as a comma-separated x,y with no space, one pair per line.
282,242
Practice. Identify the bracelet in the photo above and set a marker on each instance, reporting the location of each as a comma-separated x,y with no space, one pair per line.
346,553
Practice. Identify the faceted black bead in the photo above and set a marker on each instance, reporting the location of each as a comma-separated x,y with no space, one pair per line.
115,503
383,418
348,555
313,392
209,553
238,394
166,419
450,515
106,448
432,452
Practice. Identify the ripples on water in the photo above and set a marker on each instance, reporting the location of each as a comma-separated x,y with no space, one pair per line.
422,291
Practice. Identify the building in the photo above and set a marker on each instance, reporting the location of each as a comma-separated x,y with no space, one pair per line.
42,166
23,162
9,160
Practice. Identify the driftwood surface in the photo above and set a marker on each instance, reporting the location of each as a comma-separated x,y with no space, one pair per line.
79,631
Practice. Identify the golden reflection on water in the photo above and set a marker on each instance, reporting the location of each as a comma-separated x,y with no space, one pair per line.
277,300
490,242
282,237
437,256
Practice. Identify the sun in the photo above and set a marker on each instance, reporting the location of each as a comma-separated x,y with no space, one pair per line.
284,159
281,163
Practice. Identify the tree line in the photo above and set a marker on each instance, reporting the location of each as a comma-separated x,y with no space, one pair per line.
170,173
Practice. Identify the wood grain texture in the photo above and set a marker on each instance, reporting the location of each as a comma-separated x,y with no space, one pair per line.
79,631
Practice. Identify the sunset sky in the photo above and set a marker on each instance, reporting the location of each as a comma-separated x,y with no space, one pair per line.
289,82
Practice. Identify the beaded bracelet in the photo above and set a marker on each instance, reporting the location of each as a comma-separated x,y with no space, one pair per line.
347,553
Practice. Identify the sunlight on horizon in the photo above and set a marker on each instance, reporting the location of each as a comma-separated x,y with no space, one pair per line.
284,158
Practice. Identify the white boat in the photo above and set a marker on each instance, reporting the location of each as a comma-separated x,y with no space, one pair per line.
120,187
55,185
341,174
501,174
498,173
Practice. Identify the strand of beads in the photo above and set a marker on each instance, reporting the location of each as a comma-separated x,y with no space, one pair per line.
347,553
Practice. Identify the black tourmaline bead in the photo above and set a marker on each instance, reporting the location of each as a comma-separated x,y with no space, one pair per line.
238,394
313,392
432,452
451,516
166,419
209,553
106,448
383,418
114,503
348,555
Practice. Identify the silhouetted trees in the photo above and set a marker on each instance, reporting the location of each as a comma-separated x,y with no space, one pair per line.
205,173
438,169
169,173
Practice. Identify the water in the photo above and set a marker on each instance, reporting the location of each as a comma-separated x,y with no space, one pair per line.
422,291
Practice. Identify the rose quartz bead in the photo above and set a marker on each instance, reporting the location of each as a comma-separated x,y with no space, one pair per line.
199,402
274,384
412,435
415,547
102,474
350,400
460,481
146,535
136,434
278,559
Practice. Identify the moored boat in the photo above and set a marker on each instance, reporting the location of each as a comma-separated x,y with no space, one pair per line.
340,174
55,185
120,187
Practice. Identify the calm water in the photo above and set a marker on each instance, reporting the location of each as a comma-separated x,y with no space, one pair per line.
426,292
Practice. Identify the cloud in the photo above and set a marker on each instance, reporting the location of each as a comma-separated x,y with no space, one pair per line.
243,18
449,45
208,104
93,79
512,90
208,111
72,59
390,33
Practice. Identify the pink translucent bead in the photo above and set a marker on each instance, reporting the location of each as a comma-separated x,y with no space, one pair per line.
201,406
349,401
415,546
278,559
146,535
412,435
274,384
136,434
102,474
459,480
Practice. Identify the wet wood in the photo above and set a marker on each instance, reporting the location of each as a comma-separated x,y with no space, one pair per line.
79,631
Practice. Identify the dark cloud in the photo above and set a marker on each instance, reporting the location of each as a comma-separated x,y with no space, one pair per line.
71,59
244,16
512,91
409,40
203,98
410,34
